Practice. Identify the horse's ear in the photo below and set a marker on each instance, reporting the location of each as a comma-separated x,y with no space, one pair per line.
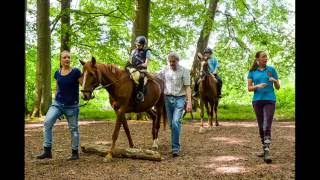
93,61
82,62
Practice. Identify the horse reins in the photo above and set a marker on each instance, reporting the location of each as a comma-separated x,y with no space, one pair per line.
105,86
98,88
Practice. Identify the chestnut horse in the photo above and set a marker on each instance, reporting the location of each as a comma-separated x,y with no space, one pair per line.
208,93
121,95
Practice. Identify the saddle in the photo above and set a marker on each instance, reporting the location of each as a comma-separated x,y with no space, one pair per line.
135,74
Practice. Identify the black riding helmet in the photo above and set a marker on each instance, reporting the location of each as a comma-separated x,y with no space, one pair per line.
141,40
207,50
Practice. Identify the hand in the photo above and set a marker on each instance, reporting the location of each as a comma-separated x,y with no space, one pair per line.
272,79
189,106
262,85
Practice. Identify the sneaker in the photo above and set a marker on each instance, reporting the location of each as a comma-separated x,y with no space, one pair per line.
267,157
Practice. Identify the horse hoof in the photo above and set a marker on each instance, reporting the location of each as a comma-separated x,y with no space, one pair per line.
202,130
210,128
108,158
155,147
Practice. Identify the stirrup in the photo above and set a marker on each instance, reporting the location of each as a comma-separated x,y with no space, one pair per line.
140,97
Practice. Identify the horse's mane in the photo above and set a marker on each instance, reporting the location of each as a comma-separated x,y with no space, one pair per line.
114,69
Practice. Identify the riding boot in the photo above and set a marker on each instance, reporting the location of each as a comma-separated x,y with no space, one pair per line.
219,89
266,148
140,95
45,154
74,155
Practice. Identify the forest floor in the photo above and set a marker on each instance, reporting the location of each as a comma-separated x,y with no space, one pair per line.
226,152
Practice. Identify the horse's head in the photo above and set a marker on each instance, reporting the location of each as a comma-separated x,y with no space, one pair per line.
204,66
90,78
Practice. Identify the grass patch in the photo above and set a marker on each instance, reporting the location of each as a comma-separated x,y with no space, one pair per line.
225,113
93,114
244,113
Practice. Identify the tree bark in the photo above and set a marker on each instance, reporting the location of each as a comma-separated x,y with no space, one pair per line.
141,22
140,28
204,36
65,25
43,70
102,148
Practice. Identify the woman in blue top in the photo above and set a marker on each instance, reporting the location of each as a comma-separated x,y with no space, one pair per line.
261,79
65,103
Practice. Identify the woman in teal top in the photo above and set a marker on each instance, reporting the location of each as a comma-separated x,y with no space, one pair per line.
262,79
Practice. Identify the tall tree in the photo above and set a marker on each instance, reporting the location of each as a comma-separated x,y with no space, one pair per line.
142,18
26,112
65,25
43,71
204,35
140,27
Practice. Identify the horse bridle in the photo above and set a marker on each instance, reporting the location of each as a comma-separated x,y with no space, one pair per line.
203,73
99,86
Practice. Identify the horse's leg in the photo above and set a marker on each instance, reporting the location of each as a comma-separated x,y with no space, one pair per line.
211,114
216,112
208,112
155,127
201,130
126,129
120,117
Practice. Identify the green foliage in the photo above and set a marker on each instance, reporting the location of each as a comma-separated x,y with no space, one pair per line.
286,97
234,112
102,28
31,57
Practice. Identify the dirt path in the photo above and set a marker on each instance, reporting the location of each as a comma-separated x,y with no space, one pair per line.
226,152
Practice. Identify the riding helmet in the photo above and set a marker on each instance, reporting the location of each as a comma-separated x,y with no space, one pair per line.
207,50
141,40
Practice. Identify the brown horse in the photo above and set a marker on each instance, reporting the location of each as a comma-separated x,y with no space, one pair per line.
208,93
121,90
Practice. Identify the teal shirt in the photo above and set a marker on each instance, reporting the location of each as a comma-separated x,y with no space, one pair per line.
258,77
213,64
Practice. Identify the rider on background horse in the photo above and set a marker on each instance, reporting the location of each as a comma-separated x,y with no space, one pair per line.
138,64
213,65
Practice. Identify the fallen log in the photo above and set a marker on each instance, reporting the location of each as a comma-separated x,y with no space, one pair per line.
102,148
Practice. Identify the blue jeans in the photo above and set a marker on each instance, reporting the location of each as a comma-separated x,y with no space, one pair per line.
54,112
174,107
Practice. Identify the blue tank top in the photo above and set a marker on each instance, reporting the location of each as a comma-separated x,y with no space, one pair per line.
68,87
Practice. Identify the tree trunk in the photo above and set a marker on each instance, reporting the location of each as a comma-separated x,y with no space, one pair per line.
102,148
43,70
204,36
141,22
140,27
65,25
